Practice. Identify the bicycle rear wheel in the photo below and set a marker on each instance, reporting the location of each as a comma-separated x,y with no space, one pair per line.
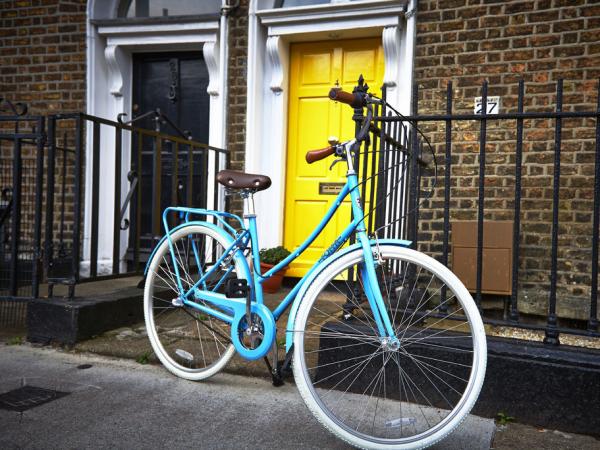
367,390
190,344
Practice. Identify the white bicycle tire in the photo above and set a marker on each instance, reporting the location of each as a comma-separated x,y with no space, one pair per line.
159,351
445,427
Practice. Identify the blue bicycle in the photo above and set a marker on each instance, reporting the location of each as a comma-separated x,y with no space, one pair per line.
388,372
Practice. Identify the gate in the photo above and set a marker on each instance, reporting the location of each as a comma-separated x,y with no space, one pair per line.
22,141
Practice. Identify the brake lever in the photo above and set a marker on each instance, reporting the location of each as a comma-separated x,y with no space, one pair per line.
339,152
335,162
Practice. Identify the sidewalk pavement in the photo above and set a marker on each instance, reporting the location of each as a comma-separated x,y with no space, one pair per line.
96,402
131,343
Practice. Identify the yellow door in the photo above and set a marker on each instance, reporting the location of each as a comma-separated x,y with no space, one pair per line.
314,68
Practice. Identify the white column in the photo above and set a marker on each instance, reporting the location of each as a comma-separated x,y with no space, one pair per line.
271,160
217,110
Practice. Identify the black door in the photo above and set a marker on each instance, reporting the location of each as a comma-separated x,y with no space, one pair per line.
175,83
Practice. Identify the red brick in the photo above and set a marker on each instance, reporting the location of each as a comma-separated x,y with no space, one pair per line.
544,40
471,58
544,16
519,7
516,55
518,30
568,25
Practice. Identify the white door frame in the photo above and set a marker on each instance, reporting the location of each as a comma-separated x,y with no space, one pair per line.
109,89
269,35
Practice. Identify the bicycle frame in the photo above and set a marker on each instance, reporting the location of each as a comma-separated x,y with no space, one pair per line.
231,310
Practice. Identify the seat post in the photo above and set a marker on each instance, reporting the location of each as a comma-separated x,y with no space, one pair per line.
248,196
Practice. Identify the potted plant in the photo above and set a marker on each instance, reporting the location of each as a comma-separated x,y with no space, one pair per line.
269,257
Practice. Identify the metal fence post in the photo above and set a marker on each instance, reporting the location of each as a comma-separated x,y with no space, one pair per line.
514,310
37,221
447,169
480,203
593,320
17,174
50,180
551,327
413,176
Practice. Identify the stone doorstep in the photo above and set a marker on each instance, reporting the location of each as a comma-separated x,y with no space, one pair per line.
67,321
131,341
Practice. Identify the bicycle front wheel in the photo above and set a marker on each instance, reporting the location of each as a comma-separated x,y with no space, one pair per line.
190,344
370,391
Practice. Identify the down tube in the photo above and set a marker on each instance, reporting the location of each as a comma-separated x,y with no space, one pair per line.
309,240
292,294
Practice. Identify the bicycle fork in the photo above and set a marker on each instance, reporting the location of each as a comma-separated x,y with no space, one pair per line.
374,295
367,270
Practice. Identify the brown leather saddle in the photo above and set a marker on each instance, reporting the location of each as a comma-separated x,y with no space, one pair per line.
233,179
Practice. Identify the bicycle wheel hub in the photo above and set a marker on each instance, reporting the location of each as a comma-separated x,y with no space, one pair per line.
392,345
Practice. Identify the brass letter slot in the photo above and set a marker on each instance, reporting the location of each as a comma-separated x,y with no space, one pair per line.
330,188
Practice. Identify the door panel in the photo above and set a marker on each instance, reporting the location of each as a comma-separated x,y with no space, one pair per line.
314,68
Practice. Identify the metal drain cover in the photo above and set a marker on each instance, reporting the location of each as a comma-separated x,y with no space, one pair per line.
27,397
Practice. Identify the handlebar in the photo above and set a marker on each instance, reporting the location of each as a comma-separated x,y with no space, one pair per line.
317,155
355,100
358,100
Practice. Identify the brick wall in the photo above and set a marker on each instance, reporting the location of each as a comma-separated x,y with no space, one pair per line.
42,64
42,54
236,100
539,41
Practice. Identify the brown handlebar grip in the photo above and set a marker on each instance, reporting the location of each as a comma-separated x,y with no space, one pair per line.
354,100
318,155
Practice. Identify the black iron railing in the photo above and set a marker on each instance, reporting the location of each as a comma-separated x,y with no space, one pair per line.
427,221
61,176
22,140
164,170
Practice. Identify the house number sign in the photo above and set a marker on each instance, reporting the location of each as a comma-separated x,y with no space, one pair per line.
493,105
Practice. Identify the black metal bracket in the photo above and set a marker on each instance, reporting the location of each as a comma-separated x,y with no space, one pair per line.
18,109
236,288
174,73
132,176
5,213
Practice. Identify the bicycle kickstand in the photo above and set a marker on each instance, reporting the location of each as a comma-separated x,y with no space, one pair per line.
279,370
274,368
